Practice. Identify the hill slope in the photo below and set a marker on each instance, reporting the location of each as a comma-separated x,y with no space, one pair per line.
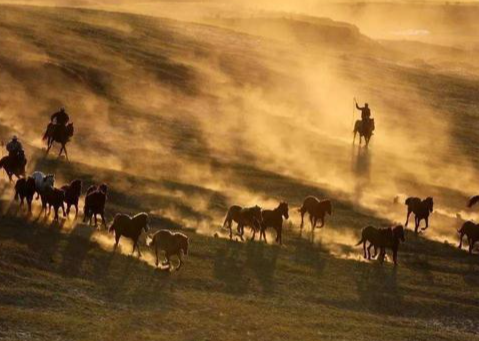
183,120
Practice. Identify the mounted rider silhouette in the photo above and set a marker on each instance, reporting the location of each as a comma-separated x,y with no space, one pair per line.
58,122
16,154
365,114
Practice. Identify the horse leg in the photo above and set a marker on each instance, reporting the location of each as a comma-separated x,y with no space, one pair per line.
117,240
76,211
407,216
427,224
302,217
63,210
322,222
181,261
156,253
103,221
66,153
134,247
49,145
471,245
369,251
138,248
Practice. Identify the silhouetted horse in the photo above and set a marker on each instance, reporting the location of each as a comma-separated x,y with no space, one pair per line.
59,133
95,202
317,209
471,230
365,130
274,219
72,195
382,239
250,216
54,197
421,210
13,166
25,189
172,243
129,227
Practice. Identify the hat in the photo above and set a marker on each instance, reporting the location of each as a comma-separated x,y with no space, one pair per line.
14,137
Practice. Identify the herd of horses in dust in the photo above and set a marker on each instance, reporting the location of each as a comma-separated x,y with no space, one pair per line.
255,218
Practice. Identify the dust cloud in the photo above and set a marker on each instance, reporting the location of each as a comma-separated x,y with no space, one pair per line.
213,104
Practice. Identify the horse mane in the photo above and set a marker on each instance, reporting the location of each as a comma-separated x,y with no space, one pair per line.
142,217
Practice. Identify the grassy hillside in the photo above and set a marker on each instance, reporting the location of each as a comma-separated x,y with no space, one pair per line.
183,120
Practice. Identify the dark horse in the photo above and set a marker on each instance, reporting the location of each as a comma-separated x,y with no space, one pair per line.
382,239
365,129
274,219
14,166
421,210
250,216
129,227
60,134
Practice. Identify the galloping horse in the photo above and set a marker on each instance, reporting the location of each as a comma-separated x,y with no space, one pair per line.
13,166
60,134
365,129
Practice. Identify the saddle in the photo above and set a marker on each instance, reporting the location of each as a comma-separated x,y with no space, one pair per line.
53,129
368,124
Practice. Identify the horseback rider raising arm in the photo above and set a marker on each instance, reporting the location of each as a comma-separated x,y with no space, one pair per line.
365,111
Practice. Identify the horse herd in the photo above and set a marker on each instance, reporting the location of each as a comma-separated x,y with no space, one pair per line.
381,239
257,219
68,196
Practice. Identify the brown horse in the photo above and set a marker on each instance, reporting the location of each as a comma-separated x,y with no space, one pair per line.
95,203
14,166
382,239
274,219
72,195
172,243
59,133
317,209
365,129
421,210
471,231
250,216
25,189
129,227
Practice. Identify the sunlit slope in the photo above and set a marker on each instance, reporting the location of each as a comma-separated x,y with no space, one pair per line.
183,120
65,281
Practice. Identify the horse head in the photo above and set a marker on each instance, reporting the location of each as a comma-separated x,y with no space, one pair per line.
49,180
103,188
184,243
429,204
328,206
70,130
284,209
398,233
142,219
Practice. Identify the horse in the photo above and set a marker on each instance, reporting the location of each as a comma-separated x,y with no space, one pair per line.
129,227
274,219
172,243
14,166
95,202
421,210
364,130
59,133
471,230
317,209
250,216
72,195
54,197
382,239
25,189
42,184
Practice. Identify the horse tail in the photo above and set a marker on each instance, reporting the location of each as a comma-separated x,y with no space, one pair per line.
227,219
360,242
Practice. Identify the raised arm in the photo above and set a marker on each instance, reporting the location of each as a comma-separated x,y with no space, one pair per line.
358,107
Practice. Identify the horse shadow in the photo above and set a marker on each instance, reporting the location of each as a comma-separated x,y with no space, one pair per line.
262,259
378,290
76,250
229,268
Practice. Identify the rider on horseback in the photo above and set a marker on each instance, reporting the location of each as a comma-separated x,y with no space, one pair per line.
365,115
58,121
60,117
16,153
